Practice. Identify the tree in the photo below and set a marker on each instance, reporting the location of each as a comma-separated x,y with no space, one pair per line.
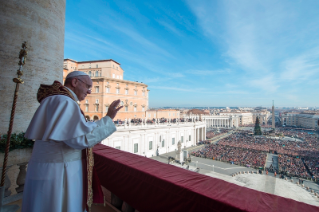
257,127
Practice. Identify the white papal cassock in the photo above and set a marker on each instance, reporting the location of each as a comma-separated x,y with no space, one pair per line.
54,175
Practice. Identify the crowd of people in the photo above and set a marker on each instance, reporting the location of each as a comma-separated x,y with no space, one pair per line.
138,121
212,134
234,155
292,166
298,156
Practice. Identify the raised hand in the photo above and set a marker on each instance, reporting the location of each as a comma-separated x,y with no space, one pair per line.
113,109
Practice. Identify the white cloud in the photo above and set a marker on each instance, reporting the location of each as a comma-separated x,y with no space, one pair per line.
301,68
178,89
209,72
169,27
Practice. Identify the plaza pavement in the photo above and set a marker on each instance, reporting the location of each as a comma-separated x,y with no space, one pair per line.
262,182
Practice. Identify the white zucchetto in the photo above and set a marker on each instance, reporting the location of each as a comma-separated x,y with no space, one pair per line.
76,74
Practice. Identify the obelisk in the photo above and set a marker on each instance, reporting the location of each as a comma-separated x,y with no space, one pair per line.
273,116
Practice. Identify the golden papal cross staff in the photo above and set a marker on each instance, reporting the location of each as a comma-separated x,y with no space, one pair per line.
22,56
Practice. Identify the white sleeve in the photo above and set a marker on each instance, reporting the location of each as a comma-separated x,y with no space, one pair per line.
105,127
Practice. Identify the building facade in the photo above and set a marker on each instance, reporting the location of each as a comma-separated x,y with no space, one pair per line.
300,119
109,85
157,138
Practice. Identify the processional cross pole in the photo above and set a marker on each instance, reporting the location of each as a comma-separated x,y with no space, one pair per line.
22,56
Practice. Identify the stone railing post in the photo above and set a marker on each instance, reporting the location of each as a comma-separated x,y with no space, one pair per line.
21,177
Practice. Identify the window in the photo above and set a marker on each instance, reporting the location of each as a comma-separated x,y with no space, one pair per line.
86,108
131,103
182,139
106,108
118,147
117,91
169,114
86,101
113,75
134,109
150,145
189,137
96,108
143,93
163,143
89,73
107,90
135,148
97,89
173,141
135,93
143,109
96,73
122,103
126,108
97,101
149,115
126,92
97,65
117,84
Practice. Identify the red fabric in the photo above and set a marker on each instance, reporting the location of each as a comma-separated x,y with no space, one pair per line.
148,185
98,196
85,180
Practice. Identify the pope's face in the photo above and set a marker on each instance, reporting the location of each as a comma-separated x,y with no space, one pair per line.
83,87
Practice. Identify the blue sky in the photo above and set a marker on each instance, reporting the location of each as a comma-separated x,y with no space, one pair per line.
203,52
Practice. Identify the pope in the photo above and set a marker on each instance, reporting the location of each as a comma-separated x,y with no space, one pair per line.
60,171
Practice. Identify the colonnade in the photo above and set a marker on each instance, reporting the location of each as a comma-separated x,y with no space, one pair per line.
200,134
221,121
213,122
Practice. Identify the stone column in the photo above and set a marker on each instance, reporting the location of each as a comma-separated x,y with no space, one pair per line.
41,24
203,133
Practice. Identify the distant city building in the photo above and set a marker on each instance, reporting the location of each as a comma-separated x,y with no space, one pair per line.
162,113
306,119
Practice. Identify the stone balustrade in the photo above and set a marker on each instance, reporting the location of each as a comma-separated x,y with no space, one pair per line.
16,173
14,182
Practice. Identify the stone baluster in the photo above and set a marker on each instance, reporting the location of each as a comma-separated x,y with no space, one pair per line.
129,123
21,176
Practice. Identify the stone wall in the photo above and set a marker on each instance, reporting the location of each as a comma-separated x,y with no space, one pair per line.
41,24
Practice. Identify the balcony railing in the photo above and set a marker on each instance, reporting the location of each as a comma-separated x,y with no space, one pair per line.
143,184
